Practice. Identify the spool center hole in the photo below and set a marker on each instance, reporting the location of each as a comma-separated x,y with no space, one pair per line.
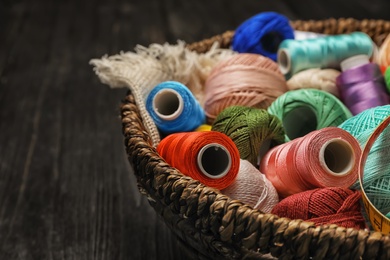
166,103
299,122
215,161
271,41
283,61
337,156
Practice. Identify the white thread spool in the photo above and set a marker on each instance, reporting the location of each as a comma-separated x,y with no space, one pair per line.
252,188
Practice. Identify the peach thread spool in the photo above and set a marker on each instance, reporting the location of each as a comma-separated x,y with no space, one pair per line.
384,53
244,79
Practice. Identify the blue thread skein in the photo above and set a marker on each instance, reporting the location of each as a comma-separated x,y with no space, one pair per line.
262,34
174,108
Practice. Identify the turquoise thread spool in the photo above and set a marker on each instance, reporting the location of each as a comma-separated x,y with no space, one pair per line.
322,52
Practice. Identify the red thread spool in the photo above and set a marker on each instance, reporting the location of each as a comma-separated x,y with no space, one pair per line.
323,158
210,157
323,206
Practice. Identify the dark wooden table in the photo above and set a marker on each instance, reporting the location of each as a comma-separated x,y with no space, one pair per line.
66,188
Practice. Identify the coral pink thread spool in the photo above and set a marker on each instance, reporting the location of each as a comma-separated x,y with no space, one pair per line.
323,158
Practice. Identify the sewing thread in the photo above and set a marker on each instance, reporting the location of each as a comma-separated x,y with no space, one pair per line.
254,131
173,108
210,157
322,79
362,87
252,188
387,79
367,120
384,53
323,52
203,127
324,206
376,179
262,34
323,158
245,79
305,110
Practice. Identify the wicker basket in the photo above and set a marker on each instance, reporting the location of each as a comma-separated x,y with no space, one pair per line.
212,225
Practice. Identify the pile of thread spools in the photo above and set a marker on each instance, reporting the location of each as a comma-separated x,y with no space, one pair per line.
282,123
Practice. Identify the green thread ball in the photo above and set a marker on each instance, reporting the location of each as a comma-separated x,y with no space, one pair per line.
253,130
305,110
387,79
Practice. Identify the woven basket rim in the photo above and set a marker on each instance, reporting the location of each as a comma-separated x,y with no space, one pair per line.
219,227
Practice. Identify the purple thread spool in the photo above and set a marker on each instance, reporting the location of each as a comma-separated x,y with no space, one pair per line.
361,84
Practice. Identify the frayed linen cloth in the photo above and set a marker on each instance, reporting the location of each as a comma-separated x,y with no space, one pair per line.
146,67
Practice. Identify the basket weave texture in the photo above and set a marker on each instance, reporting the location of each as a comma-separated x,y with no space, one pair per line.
212,225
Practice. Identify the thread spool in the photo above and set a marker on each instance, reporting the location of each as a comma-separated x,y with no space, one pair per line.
387,79
323,52
252,188
254,131
361,85
203,127
210,157
384,53
354,62
305,110
378,220
322,79
262,34
173,108
367,120
248,80
376,179
324,206
304,35
323,158
376,172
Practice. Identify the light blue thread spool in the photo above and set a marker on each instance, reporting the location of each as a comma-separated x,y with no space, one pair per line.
323,52
174,108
